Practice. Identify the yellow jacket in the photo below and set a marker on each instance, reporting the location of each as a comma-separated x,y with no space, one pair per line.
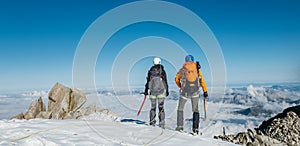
178,77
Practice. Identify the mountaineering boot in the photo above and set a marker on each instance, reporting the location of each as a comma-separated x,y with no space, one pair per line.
162,126
195,132
180,129
195,123
179,121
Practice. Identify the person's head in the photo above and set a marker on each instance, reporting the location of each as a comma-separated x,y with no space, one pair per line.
189,58
156,61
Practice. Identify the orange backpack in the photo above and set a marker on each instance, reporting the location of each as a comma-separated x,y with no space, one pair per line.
190,81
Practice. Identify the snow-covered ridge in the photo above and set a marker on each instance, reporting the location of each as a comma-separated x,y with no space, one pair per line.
96,129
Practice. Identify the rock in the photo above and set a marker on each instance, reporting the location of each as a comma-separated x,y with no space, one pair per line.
106,111
283,129
89,110
44,115
265,124
18,116
82,112
35,108
250,138
63,100
77,100
63,103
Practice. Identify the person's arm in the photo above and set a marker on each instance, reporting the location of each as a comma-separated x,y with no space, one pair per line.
147,83
203,84
177,79
165,78
166,81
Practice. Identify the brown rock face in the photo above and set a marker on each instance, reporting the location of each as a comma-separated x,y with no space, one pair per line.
64,103
63,100
18,116
35,108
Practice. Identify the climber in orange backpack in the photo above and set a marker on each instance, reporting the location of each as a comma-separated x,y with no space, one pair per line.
189,79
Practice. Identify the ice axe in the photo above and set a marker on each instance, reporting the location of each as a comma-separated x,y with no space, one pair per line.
204,106
142,104
204,99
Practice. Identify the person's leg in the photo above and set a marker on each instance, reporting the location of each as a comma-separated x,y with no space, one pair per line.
181,103
161,112
153,111
195,101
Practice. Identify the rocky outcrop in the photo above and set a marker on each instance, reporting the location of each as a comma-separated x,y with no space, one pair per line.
18,116
35,109
63,100
283,129
63,103
82,112
251,138
265,124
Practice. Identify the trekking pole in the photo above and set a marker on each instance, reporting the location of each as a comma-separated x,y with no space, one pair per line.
204,98
142,105
204,106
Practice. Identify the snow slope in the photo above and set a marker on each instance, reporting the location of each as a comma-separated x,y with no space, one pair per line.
98,129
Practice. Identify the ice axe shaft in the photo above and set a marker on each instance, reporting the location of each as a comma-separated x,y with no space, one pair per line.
141,105
204,106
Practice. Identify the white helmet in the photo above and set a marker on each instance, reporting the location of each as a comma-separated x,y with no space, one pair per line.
156,61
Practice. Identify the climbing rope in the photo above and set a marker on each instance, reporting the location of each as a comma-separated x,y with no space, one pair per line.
156,116
38,132
155,138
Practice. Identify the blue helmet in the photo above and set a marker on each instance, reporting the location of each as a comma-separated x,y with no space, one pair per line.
189,58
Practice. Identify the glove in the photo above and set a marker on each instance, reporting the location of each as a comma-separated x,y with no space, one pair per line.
167,93
146,92
205,94
198,65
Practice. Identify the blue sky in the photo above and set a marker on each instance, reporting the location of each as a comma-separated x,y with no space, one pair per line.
260,40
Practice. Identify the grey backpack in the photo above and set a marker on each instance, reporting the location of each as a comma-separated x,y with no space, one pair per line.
156,84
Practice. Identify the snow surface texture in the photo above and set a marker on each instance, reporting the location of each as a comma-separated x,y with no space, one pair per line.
106,131
102,129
